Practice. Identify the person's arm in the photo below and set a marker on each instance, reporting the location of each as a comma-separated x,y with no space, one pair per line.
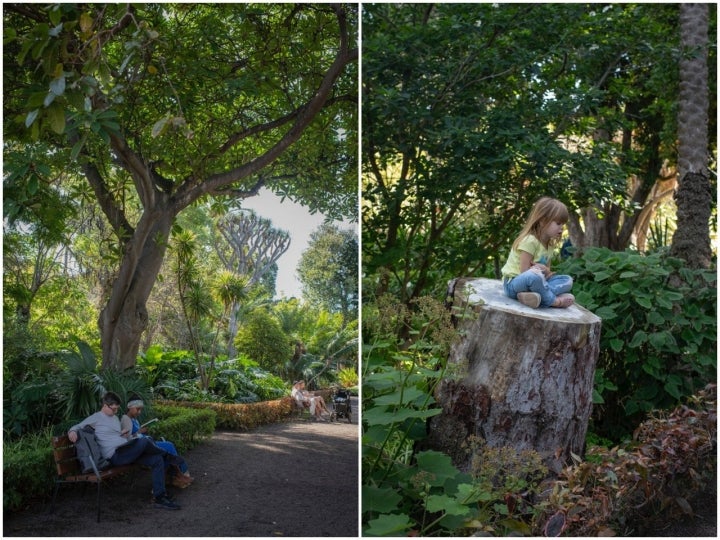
72,432
526,261
126,426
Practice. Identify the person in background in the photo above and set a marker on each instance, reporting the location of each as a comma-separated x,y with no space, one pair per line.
305,398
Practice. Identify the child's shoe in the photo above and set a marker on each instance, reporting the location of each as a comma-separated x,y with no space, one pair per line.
563,300
530,299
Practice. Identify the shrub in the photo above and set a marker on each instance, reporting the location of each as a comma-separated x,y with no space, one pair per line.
243,416
28,469
348,377
658,340
643,485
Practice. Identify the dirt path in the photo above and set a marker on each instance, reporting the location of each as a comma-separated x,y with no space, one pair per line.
294,479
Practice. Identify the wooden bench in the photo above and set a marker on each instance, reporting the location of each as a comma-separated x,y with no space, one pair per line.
69,472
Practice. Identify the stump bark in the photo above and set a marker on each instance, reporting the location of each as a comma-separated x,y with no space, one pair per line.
517,376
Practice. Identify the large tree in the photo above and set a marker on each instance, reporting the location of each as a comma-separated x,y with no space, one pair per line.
694,196
250,249
328,271
159,106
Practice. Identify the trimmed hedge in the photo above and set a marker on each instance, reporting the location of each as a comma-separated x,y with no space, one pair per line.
242,416
29,469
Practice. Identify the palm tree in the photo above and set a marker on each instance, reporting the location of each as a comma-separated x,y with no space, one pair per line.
694,196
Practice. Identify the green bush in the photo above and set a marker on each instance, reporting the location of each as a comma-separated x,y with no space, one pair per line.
28,469
182,426
658,339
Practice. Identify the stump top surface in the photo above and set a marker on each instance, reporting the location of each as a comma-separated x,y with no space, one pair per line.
489,292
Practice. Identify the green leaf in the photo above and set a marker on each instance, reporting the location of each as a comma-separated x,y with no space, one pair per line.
468,494
57,86
378,415
443,503
606,313
375,499
620,288
638,339
438,465
159,127
617,344
56,116
30,118
388,525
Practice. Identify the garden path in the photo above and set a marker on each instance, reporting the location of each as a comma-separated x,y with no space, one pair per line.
298,478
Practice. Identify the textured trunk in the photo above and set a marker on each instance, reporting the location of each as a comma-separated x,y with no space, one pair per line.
519,377
124,318
694,196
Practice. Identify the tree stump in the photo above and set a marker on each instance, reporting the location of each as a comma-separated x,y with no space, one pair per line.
517,376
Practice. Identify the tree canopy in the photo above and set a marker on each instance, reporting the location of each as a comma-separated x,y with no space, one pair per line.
158,106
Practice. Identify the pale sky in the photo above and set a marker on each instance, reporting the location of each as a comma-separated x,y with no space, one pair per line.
296,220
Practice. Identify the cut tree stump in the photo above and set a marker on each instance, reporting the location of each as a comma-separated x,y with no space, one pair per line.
517,376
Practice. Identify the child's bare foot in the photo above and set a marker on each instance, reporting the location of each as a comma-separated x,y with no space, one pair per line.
563,300
530,299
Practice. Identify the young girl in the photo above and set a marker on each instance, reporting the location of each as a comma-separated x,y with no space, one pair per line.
526,275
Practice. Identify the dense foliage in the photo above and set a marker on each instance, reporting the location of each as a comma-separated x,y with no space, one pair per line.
659,334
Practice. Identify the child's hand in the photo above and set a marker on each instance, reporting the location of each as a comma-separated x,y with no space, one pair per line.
542,269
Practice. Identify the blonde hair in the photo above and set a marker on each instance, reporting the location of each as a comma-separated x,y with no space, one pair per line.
543,212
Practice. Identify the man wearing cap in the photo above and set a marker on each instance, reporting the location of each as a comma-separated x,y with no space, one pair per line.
120,451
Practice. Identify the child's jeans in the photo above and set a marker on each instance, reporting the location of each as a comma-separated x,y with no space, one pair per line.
531,281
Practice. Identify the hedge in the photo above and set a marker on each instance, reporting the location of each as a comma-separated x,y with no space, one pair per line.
242,416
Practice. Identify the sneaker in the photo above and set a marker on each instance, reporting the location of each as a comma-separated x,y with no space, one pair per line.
168,494
166,503
564,300
530,299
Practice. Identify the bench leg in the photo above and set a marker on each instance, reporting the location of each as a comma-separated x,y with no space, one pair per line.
55,492
98,501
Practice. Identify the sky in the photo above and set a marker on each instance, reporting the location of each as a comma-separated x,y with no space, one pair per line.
296,220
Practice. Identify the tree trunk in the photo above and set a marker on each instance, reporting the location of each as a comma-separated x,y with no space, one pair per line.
517,377
124,317
694,196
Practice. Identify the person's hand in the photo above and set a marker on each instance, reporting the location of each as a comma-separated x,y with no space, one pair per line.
144,429
72,435
542,269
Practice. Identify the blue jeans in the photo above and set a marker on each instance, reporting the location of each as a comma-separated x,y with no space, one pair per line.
173,458
143,451
530,281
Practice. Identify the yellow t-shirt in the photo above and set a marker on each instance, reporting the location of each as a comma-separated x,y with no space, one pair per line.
533,246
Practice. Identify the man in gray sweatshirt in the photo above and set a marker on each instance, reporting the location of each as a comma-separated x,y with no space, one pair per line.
120,450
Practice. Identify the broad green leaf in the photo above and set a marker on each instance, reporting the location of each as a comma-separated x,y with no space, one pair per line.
439,465
56,116
375,499
379,415
443,503
388,525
